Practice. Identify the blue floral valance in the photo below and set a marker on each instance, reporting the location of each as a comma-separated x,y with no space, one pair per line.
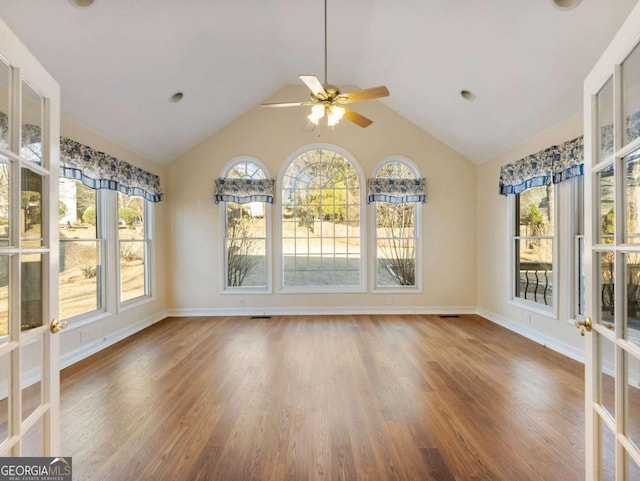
101,171
554,164
243,191
396,191
93,168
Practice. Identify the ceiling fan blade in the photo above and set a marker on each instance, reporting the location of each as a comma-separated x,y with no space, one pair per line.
314,85
366,94
356,118
285,104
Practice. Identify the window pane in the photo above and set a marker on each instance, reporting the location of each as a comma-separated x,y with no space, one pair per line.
535,270
132,270
321,220
5,198
632,197
80,277
536,211
631,95
31,146
396,253
31,291
246,262
77,210
130,217
604,101
4,298
5,76
31,209
606,196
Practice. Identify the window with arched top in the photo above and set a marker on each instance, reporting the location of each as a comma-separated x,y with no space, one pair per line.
397,192
321,217
245,191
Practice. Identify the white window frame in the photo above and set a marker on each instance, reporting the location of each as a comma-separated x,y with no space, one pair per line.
538,308
417,225
362,286
267,288
101,239
577,209
148,252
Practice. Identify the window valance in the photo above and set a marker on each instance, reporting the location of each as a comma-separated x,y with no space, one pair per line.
101,171
553,164
396,191
243,191
93,168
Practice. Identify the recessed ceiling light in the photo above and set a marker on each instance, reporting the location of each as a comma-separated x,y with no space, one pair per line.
566,4
81,3
177,97
467,95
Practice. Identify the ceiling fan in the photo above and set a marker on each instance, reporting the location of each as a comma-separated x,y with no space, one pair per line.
327,99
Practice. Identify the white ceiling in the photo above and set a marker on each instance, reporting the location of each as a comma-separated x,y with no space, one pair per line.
119,61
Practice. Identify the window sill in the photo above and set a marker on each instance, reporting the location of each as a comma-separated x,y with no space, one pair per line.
247,290
535,308
397,290
322,290
84,320
134,303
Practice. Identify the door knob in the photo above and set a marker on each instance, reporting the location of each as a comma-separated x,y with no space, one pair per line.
57,325
584,325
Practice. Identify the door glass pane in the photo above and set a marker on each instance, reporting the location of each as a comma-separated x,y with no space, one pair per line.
606,368
5,382
631,95
608,443
80,278
606,196
31,142
633,298
4,299
31,291
633,395
31,376
5,76
606,289
5,198
632,197
32,445
633,469
604,112
31,209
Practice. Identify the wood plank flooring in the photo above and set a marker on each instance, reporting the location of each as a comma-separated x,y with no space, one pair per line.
301,398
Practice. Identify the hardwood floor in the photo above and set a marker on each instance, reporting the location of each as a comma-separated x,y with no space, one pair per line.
325,398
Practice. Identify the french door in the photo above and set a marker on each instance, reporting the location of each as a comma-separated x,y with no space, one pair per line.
612,260
29,150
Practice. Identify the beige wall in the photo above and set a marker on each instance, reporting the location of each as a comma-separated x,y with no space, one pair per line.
493,269
449,216
85,337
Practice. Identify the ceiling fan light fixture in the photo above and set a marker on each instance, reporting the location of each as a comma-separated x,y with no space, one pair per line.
334,115
317,112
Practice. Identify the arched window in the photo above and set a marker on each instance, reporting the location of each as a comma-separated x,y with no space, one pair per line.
396,233
246,221
321,211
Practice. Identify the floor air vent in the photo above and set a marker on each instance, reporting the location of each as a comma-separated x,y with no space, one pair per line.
448,316
260,317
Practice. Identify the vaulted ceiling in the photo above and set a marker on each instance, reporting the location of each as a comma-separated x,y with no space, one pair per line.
119,61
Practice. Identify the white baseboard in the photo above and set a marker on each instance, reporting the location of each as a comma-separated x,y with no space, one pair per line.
323,310
533,335
96,346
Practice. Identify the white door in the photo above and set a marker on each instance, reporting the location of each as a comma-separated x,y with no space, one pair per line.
612,263
29,151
